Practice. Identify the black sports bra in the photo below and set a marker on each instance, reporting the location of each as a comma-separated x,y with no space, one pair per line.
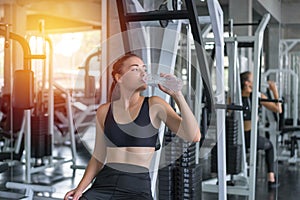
138,133
247,103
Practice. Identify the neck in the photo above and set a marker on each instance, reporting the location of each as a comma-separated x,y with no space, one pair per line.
128,101
245,94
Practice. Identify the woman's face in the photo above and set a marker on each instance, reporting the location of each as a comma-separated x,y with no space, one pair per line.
133,73
248,84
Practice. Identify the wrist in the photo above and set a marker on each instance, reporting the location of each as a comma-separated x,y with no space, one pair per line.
80,188
177,95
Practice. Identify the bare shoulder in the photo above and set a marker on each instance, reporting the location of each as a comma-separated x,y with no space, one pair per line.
102,112
159,105
156,100
103,108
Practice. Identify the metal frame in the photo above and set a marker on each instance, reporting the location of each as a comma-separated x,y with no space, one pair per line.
191,14
30,189
216,15
259,34
284,155
236,95
286,45
249,188
295,83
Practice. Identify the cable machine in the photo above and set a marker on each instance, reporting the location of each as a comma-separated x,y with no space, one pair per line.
23,98
248,188
278,127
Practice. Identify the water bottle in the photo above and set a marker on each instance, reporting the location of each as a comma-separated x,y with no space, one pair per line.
171,82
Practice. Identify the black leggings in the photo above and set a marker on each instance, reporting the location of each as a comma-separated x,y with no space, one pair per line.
118,181
263,144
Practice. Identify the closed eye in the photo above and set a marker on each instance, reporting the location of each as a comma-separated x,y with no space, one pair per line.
136,67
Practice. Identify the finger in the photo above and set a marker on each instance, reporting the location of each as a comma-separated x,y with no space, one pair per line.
69,195
162,74
76,196
164,89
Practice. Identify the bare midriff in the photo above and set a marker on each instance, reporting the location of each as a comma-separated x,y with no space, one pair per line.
247,125
140,156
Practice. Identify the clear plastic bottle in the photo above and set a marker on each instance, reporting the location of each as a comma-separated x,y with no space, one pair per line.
171,82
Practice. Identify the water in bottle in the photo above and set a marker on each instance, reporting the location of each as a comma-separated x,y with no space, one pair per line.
171,82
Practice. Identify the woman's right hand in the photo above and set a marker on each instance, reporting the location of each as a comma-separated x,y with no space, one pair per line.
74,194
171,84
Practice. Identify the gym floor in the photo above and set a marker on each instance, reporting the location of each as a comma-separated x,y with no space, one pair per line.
62,179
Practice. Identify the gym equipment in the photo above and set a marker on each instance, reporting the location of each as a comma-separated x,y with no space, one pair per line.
89,80
289,61
233,150
287,133
13,143
181,179
23,89
33,126
247,188
28,101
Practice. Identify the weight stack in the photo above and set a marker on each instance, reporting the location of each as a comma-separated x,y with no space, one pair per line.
187,159
171,150
182,179
166,182
188,183
233,149
40,139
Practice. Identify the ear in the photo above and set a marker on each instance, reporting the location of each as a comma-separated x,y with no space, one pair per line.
118,77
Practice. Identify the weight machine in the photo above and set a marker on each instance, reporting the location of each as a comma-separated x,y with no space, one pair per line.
247,186
23,98
288,133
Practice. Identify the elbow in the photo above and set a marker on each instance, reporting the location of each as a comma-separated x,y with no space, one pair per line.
278,110
197,137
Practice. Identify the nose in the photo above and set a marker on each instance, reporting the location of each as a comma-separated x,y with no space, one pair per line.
143,71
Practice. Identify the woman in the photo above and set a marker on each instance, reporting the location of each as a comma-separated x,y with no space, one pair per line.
126,135
262,142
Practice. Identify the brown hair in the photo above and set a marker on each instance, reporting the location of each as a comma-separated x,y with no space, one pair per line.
117,69
244,77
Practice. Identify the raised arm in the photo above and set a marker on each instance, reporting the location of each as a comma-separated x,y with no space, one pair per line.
274,107
185,125
97,159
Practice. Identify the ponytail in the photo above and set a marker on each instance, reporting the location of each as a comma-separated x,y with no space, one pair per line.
114,92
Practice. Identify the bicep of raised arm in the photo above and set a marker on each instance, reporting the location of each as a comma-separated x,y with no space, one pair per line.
168,115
